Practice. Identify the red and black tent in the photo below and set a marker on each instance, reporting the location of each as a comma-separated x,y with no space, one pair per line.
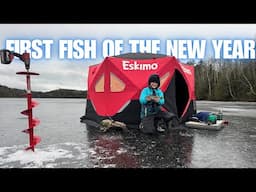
114,87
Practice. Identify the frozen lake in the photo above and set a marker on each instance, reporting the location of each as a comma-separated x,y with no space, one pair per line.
67,143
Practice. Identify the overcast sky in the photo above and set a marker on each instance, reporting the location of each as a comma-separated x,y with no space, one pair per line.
62,53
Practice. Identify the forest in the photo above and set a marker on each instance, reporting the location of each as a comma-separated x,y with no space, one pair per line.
225,80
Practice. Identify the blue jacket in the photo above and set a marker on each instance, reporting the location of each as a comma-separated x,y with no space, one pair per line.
203,116
150,107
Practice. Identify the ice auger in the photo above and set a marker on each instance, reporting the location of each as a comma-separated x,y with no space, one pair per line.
6,58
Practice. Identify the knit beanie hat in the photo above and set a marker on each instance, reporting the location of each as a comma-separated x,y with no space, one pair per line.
154,78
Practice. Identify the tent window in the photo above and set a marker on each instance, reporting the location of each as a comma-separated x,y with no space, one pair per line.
164,78
99,86
116,84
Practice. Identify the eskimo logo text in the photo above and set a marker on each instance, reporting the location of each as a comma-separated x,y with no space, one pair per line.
127,65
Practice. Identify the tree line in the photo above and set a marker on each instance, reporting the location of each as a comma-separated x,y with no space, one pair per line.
59,93
225,80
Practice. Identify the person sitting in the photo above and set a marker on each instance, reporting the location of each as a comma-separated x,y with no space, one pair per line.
151,100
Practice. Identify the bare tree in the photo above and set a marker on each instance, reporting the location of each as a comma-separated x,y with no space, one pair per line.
228,71
208,80
249,84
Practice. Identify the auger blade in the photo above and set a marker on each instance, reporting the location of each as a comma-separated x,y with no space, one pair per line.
26,73
26,130
32,122
30,147
36,140
35,122
34,103
25,112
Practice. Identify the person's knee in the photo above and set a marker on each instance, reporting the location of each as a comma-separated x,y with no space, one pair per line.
169,116
173,122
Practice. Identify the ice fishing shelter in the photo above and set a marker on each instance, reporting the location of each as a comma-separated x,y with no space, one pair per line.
114,87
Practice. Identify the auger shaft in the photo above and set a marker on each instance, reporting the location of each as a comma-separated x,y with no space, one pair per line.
32,122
